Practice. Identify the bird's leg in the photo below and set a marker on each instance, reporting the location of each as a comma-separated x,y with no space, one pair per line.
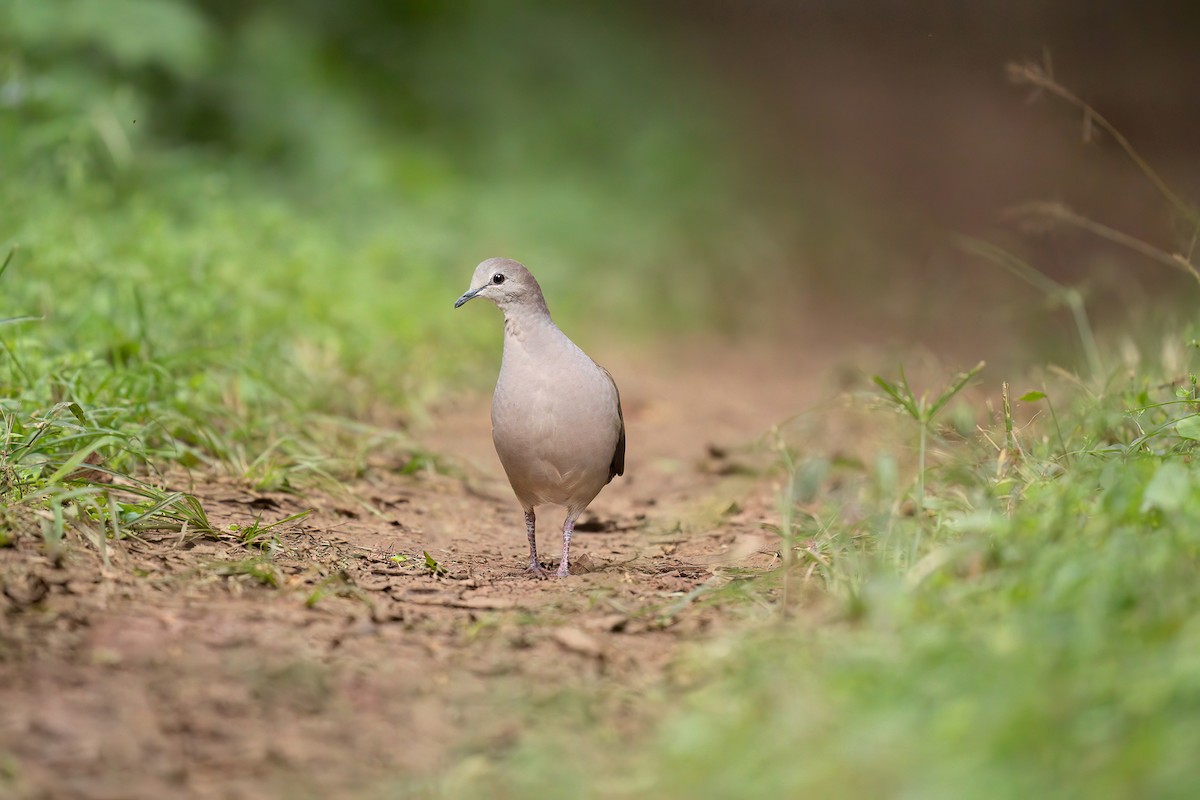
568,529
534,566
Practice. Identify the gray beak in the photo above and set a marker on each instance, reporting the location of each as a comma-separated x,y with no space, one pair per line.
468,295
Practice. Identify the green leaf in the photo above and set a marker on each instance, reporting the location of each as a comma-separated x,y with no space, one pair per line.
12,251
75,409
432,565
1169,489
1189,427
1031,397
73,463
905,403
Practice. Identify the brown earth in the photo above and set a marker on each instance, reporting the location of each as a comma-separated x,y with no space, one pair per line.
178,670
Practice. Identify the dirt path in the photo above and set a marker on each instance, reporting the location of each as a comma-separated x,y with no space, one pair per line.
178,670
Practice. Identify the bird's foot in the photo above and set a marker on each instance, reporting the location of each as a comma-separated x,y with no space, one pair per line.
563,571
537,570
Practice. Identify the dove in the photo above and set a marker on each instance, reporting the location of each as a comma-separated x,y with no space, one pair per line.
557,422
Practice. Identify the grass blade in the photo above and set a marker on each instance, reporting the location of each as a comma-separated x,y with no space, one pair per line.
903,402
960,381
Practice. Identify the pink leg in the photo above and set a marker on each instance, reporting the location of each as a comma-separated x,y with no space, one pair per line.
568,529
534,566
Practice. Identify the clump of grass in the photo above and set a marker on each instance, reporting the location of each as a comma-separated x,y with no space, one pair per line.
259,569
432,566
260,535
923,412
60,461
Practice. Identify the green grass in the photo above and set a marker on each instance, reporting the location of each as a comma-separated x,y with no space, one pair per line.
1035,632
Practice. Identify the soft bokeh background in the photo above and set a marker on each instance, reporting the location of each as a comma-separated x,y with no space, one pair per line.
325,175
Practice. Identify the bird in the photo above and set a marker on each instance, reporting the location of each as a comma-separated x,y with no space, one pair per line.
557,422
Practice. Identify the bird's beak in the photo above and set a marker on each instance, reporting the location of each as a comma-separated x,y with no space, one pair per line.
468,295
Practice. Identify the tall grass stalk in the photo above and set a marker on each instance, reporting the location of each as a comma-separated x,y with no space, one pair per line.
1041,78
1056,292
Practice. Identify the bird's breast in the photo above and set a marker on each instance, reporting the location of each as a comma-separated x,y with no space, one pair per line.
555,427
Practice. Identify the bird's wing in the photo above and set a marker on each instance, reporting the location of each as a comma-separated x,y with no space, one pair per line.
617,467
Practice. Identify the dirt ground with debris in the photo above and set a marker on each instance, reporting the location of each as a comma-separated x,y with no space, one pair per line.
345,660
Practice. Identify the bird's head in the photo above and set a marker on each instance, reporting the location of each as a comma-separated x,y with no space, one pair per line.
506,283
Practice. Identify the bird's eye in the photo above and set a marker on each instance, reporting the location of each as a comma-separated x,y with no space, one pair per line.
497,279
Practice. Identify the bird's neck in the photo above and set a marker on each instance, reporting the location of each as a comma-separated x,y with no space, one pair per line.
529,328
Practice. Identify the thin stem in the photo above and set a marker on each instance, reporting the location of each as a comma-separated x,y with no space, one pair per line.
915,547
1054,290
787,520
1086,337
1041,78
1060,213
1061,442
921,469
787,509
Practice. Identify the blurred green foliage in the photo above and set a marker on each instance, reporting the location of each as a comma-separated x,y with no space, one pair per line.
554,133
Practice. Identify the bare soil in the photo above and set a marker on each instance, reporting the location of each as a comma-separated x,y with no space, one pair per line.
177,670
